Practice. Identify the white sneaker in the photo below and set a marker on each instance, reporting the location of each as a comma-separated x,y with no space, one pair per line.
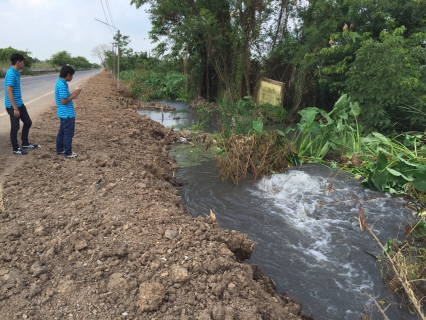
72,155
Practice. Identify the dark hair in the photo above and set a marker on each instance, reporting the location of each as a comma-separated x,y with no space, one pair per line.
15,57
65,70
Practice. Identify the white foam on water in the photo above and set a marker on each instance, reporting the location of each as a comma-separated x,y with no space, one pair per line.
316,254
307,203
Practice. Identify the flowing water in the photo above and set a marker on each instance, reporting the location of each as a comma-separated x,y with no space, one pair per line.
307,233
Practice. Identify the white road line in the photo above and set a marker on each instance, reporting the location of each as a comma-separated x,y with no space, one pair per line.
26,103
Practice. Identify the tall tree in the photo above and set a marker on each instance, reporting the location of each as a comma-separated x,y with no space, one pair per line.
219,35
99,52
335,34
61,58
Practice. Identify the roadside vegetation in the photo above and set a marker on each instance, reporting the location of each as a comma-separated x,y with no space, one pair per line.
57,60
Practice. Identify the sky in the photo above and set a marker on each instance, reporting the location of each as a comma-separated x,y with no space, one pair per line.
45,27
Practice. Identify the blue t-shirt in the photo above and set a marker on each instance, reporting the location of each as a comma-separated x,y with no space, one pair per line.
13,79
62,91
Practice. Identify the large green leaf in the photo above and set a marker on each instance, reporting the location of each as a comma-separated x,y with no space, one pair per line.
326,116
308,115
382,161
399,174
258,125
341,103
380,179
380,136
420,182
355,109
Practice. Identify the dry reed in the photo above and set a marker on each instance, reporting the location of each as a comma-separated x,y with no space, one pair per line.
256,155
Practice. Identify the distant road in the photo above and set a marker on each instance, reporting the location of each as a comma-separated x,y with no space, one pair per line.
36,87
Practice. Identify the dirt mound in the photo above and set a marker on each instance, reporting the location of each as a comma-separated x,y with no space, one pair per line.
105,236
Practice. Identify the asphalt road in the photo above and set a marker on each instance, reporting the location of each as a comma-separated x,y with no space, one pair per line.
38,95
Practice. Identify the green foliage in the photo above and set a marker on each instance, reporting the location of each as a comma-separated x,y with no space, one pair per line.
5,54
272,113
386,76
151,85
244,116
394,165
61,58
257,127
27,72
80,63
129,60
398,164
319,131
214,37
372,50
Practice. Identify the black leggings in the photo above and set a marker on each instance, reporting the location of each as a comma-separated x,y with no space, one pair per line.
14,126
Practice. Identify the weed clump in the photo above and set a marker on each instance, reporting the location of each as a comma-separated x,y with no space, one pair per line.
258,154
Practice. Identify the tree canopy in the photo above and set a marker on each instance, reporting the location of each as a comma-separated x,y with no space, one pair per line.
373,50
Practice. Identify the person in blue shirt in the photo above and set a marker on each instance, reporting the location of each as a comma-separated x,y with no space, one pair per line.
65,112
15,106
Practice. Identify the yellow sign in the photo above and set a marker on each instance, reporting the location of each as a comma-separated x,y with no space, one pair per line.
270,91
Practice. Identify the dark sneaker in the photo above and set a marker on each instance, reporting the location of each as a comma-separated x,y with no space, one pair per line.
20,151
30,146
60,152
72,155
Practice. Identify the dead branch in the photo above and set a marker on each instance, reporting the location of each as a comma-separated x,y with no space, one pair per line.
377,304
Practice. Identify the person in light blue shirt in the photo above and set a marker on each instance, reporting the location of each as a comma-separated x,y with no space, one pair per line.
15,106
65,112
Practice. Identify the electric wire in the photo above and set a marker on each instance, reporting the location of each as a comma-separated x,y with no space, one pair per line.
110,14
106,18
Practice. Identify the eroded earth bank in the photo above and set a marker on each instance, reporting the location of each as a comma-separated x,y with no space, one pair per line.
105,236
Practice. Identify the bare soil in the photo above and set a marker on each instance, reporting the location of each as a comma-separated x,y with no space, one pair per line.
105,236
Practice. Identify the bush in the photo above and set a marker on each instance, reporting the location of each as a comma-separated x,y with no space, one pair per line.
387,79
151,85
272,113
27,71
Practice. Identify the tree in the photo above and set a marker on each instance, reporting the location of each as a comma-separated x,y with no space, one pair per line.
211,35
60,59
5,54
388,79
80,62
99,52
334,43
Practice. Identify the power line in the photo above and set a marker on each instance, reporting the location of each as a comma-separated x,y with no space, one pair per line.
106,18
110,15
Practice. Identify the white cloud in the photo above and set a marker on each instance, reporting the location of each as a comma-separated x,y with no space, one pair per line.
46,27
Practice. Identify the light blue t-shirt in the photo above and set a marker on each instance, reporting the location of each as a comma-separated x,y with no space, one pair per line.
13,79
62,91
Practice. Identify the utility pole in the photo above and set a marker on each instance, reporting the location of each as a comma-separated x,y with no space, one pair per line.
113,59
118,46
118,60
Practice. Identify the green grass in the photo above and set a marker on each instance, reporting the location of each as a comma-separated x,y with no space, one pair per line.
41,65
4,65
